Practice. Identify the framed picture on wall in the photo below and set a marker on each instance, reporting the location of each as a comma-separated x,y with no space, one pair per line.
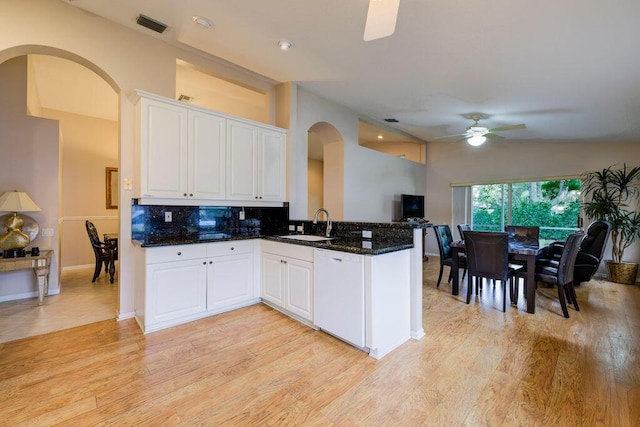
112,188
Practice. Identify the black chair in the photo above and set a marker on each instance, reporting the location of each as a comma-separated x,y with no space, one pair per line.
563,274
524,233
444,238
105,253
590,253
488,257
462,228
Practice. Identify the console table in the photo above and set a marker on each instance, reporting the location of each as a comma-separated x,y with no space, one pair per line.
40,265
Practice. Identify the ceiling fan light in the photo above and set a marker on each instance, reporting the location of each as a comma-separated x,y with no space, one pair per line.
477,140
285,44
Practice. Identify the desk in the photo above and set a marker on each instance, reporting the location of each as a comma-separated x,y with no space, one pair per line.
518,251
40,265
111,245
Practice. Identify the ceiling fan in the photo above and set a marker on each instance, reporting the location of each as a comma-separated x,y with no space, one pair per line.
381,19
477,135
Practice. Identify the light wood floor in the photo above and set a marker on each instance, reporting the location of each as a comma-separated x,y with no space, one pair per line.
475,366
79,303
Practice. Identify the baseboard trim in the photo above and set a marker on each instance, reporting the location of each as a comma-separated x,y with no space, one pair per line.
77,267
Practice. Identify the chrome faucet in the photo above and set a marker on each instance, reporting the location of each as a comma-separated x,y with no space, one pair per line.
315,220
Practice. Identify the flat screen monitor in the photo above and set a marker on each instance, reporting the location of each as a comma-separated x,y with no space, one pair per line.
412,207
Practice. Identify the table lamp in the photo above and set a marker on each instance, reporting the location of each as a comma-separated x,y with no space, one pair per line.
15,201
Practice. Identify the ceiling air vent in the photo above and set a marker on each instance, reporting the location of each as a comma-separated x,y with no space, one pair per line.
185,98
391,121
151,23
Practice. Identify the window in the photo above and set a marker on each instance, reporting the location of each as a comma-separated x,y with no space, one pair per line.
554,206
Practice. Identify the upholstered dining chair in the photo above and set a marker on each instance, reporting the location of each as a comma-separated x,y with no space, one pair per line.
523,232
444,239
590,252
104,253
562,275
462,228
488,258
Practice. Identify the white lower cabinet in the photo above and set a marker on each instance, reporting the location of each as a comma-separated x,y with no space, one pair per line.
230,277
176,290
186,282
287,278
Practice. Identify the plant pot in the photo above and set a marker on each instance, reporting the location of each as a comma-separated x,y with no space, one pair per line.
622,272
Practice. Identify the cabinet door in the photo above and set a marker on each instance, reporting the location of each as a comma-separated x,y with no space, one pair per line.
229,280
271,165
299,287
163,149
176,290
207,147
241,161
273,279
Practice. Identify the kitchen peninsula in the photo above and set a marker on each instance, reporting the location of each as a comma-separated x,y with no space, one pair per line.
197,269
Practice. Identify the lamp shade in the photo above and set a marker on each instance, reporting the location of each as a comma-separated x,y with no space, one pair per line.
17,201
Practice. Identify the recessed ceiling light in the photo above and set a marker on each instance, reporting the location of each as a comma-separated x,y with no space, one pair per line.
380,137
285,44
202,21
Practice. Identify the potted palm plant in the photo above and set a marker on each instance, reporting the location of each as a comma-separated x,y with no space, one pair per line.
614,192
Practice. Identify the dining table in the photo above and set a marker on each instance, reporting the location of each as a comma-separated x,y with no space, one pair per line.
520,250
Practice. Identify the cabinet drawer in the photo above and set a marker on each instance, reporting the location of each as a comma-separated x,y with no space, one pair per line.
229,248
175,253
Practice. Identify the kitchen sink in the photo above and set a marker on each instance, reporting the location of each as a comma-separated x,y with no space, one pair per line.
306,237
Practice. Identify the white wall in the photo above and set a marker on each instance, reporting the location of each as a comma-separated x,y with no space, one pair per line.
90,145
29,162
372,180
449,163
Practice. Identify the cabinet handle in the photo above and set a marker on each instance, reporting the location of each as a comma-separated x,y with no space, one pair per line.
232,248
190,195
210,262
256,197
204,262
179,253
185,194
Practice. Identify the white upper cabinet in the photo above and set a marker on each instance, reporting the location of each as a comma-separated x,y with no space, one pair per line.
188,152
255,163
163,149
271,173
242,160
207,146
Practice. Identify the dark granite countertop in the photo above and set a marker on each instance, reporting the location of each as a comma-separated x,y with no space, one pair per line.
361,246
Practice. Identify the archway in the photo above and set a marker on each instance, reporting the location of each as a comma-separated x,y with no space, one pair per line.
325,170
57,223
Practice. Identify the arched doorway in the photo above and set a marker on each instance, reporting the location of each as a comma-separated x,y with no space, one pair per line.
79,137
325,170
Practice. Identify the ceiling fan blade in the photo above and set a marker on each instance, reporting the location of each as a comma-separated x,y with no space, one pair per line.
493,136
508,127
381,19
450,136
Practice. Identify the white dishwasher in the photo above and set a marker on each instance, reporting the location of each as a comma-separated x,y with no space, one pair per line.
339,295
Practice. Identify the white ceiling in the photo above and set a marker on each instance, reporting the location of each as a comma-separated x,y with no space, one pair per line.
568,69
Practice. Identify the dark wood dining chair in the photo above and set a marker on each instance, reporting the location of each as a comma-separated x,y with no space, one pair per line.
562,275
105,253
488,258
444,239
